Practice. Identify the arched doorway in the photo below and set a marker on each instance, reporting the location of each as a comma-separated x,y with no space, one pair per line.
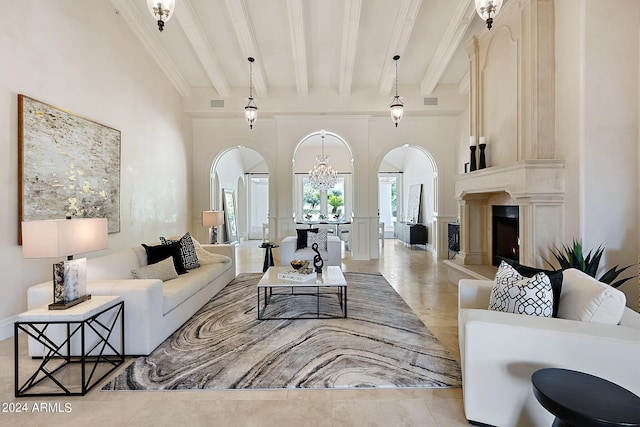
405,172
244,172
309,202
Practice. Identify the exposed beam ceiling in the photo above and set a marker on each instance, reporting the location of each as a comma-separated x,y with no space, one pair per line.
341,48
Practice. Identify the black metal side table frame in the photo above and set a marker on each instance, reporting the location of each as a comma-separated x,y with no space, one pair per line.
268,292
62,352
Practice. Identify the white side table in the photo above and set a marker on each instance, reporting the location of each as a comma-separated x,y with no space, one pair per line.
92,323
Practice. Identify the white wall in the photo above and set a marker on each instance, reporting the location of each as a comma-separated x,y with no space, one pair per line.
370,139
81,56
597,81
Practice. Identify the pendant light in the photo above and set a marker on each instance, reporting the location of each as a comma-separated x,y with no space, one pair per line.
251,110
161,10
396,107
488,9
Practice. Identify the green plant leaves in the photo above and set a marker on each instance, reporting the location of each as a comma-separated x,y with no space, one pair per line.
573,257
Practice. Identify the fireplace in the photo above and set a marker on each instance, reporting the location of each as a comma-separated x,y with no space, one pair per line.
506,233
532,191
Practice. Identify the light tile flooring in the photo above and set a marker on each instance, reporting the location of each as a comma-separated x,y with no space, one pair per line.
420,280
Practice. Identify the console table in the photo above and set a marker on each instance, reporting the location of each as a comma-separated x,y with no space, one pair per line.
410,233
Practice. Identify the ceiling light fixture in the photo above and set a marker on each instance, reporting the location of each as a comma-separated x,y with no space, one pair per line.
397,107
323,176
488,9
251,110
162,10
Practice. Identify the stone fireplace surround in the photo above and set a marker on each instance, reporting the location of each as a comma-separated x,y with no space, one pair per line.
535,186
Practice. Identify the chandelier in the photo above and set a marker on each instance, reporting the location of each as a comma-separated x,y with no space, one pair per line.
323,176
488,9
162,10
251,110
397,107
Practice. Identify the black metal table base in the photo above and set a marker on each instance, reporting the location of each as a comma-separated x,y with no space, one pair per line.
268,293
58,357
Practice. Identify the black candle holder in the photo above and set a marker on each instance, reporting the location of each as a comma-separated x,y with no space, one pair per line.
483,160
472,162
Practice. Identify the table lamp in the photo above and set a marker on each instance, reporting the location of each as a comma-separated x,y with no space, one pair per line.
212,219
65,237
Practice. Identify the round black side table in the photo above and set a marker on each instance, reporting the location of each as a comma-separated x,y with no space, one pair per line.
578,399
268,256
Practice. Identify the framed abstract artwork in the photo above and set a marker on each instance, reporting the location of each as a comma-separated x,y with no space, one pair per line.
67,165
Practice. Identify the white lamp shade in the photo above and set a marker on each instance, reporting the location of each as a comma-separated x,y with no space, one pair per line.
212,218
63,237
161,10
488,8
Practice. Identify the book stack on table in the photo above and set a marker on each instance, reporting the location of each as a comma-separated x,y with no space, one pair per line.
296,276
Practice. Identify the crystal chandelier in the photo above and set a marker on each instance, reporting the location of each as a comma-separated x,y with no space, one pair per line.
162,10
251,110
488,9
397,107
323,176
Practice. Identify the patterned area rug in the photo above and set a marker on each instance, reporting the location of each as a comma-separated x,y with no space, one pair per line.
382,344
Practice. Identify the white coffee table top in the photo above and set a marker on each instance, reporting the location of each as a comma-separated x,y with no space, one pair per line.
331,276
77,313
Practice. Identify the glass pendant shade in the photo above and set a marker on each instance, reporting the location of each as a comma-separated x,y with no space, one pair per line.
251,113
488,9
161,10
323,176
397,109
251,110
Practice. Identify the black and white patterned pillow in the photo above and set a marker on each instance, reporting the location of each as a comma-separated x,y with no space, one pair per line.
512,293
319,237
187,251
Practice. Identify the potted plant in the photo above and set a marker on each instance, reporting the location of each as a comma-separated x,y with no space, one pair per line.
573,257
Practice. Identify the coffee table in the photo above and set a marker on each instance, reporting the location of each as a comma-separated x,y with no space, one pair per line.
331,277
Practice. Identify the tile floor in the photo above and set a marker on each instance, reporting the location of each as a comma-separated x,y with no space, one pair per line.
420,280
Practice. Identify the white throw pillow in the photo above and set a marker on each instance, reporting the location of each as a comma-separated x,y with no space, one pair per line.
512,293
205,257
586,299
163,270
320,238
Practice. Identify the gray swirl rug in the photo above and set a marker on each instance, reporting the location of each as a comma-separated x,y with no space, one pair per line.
382,344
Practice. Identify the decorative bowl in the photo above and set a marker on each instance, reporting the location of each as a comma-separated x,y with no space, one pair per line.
297,264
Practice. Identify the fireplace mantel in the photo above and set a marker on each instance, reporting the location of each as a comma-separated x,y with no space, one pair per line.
526,178
536,186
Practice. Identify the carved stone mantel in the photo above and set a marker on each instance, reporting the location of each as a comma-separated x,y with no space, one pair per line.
536,186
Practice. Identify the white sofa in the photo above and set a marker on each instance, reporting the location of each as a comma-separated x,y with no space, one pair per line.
153,309
500,351
289,251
